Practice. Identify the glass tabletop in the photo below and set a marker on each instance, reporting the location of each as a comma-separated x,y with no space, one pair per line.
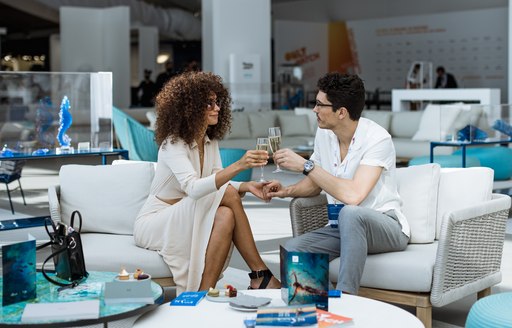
91,289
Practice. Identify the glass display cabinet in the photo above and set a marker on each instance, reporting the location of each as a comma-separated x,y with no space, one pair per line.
52,112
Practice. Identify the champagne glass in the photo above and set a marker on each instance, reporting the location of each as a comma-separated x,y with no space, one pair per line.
274,138
262,144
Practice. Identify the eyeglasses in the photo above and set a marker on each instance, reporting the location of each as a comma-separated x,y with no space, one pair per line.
213,102
319,104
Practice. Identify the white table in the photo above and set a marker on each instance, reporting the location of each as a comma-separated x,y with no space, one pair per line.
400,98
364,312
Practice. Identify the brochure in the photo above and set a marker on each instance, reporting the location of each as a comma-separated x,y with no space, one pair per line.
287,316
129,292
329,319
61,310
188,298
304,278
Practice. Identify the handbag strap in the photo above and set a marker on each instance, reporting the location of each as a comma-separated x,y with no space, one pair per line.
72,223
58,283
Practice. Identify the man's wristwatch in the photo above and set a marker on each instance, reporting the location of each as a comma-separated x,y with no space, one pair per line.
308,167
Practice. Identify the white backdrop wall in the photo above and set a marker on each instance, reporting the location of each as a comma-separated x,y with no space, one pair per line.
475,53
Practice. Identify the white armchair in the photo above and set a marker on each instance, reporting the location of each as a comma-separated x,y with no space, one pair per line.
109,198
457,236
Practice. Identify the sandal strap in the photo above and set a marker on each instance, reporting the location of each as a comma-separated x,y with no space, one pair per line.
266,274
260,273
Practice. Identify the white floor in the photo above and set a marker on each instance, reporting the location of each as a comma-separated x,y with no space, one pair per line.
270,224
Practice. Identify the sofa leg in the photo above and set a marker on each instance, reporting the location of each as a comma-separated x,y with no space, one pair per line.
425,315
483,293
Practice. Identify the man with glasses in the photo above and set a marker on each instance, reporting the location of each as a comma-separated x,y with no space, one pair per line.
354,163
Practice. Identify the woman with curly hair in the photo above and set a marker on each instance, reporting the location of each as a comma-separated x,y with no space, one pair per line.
194,212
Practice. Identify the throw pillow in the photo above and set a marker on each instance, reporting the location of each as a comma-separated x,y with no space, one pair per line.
260,122
239,126
418,188
294,125
436,123
382,118
313,123
108,201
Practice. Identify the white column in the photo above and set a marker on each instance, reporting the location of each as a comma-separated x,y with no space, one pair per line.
147,50
238,28
94,40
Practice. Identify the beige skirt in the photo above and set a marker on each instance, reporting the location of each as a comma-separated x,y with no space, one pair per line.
180,233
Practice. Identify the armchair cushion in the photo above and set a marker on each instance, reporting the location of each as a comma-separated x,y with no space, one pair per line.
418,188
109,197
260,122
473,186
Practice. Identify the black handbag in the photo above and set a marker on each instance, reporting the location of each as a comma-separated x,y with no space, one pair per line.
67,253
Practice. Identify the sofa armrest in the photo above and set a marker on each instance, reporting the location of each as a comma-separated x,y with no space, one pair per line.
54,203
308,214
470,250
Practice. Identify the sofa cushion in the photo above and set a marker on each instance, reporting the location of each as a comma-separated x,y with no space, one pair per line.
239,126
404,124
109,197
107,252
260,122
294,125
313,123
382,118
418,187
409,270
460,188
434,126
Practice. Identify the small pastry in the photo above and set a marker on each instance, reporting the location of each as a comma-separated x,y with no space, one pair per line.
230,291
213,292
123,275
142,276
137,273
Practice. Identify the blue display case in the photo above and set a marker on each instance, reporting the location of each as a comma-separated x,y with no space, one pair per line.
33,117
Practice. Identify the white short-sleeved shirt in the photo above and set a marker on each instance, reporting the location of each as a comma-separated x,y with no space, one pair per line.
371,145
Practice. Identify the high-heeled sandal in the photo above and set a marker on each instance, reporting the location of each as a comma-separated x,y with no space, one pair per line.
266,274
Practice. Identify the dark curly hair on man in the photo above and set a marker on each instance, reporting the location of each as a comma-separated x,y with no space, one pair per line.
344,90
181,107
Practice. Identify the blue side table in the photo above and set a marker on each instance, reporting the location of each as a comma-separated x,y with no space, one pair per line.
491,312
48,293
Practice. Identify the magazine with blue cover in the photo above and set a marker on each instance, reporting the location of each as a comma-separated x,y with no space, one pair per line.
304,278
188,298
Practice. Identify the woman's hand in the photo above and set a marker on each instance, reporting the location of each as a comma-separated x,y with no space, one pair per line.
274,189
255,188
253,158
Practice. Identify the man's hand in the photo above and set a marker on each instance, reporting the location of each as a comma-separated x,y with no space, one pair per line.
255,188
289,160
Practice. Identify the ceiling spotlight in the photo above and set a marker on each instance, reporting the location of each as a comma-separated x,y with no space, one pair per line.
162,58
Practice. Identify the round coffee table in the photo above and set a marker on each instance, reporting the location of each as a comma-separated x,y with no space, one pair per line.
117,314
365,312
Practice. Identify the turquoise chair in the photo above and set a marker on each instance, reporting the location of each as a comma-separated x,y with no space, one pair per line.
143,142
231,155
134,137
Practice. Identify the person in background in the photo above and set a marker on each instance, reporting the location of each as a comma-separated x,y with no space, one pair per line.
165,76
445,80
354,163
148,90
194,212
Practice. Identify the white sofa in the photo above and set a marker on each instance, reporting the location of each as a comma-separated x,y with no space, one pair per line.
457,236
109,198
296,129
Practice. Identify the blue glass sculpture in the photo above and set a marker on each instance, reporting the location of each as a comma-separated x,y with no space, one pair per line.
503,127
65,121
471,133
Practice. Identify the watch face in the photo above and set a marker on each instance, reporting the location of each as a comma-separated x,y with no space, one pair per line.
308,166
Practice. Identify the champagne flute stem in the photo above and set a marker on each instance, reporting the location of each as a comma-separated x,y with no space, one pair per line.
262,178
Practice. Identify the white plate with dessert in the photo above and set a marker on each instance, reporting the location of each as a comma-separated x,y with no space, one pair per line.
222,295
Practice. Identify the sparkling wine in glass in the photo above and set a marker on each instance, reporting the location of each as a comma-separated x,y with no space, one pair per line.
274,138
262,144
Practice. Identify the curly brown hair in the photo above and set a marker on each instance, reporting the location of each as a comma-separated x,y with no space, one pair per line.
181,107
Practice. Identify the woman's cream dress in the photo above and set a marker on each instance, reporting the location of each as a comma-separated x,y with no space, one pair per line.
181,232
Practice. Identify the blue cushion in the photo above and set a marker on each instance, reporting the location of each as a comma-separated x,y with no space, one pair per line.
497,158
492,311
446,161
231,155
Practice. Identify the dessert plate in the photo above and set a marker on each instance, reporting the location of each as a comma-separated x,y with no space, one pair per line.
248,303
222,298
